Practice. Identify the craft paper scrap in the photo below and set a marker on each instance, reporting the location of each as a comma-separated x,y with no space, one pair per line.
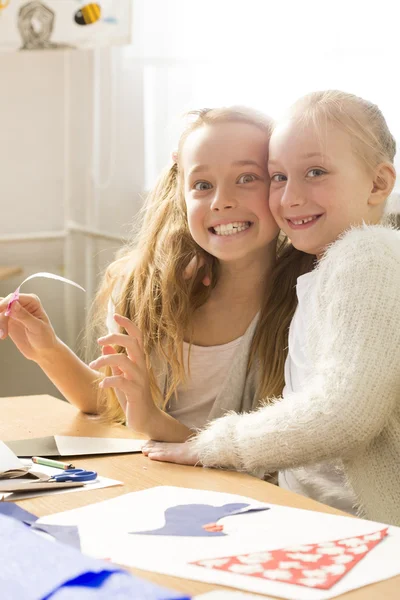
70,445
10,465
18,513
254,531
15,295
99,483
67,534
66,445
314,565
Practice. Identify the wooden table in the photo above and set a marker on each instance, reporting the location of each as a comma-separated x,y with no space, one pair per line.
35,416
7,272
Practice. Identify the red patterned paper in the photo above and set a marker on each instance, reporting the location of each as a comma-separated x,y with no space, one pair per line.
311,565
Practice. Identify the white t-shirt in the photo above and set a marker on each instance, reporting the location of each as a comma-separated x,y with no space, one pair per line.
324,481
208,368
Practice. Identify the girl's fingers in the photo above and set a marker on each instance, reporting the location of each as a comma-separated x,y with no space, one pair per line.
130,327
119,382
31,323
4,302
128,342
168,452
116,371
193,266
118,393
106,350
118,361
3,318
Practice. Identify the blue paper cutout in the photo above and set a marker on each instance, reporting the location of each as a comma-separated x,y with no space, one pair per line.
66,534
189,519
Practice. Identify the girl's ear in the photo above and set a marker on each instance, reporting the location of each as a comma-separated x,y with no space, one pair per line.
383,184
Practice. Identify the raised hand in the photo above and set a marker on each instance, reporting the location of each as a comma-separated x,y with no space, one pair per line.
130,378
28,326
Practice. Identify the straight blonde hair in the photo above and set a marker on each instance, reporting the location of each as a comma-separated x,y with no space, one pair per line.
154,293
362,120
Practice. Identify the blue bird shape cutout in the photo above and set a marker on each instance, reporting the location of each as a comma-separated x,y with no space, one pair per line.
188,520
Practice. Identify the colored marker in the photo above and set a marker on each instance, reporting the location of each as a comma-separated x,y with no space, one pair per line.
47,462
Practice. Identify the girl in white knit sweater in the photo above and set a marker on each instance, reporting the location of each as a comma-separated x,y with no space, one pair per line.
335,434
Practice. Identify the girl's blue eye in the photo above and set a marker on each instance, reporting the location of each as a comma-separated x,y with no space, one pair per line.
316,173
202,186
278,177
247,178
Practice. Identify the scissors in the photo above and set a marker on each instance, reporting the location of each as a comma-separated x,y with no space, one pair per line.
75,475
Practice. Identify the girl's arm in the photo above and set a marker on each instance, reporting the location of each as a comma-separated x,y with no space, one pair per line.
71,376
31,331
163,427
353,391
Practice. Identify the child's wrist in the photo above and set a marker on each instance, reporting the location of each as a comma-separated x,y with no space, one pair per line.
48,356
155,424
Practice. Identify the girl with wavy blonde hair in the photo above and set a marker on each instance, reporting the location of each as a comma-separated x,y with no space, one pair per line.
203,295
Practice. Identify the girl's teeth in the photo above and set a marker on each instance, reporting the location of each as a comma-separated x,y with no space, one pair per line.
231,228
302,221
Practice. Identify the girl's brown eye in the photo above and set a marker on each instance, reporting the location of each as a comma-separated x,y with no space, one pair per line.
248,178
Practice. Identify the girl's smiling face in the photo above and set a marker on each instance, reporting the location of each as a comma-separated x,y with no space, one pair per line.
226,190
319,185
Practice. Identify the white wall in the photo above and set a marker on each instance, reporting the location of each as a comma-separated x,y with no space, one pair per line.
45,158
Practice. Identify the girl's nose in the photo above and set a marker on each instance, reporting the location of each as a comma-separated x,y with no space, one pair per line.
292,196
223,200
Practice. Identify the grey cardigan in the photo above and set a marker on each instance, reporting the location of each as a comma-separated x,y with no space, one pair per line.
239,392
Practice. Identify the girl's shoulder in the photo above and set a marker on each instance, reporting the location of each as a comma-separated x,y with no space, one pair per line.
363,263
363,248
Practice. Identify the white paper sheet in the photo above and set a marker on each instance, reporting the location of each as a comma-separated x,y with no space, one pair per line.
103,531
73,446
8,460
100,482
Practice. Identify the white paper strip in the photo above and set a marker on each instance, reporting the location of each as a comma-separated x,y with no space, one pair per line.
45,275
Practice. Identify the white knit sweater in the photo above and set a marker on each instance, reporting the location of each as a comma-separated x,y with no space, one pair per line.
351,409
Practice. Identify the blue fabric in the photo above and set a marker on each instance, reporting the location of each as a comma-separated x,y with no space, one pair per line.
35,568
118,586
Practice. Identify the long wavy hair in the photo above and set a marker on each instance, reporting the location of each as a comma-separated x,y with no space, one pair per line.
147,282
